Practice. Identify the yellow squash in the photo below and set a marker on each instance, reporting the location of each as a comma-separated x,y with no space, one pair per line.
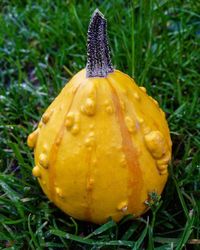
103,144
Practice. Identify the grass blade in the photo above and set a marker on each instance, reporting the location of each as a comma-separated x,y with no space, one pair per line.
92,242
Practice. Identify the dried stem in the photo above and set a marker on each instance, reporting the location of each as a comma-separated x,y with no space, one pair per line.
98,61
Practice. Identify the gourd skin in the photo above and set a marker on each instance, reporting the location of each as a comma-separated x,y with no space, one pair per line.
101,146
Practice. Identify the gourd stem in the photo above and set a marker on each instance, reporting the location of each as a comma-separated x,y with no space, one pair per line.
98,53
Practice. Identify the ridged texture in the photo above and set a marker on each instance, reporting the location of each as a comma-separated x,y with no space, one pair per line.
101,147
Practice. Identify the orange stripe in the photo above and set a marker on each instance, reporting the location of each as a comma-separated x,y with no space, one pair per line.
89,175
135,181
55,149
88,192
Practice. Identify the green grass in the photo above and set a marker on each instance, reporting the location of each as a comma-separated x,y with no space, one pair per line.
42,44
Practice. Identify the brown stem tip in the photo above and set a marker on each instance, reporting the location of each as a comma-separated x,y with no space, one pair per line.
98,53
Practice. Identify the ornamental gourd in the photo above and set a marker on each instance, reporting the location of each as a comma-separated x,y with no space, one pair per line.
103,144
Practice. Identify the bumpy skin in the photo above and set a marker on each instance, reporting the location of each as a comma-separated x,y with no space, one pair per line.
101,146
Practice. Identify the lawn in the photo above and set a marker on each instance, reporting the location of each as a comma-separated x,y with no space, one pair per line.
42,45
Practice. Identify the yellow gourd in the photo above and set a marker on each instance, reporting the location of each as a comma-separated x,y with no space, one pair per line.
103,144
